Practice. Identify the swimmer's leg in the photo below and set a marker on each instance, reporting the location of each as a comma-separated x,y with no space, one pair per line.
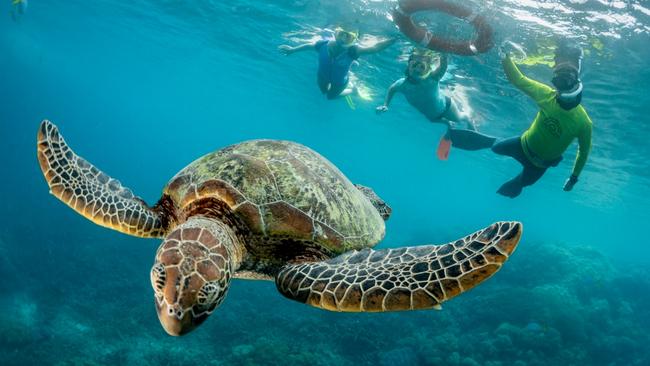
470,140
323,85
511,147
336,91
350,89
452,113
528,176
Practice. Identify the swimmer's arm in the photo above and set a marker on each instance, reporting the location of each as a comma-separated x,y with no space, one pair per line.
442,69
379,46
534,89
287,50
584,147
394,88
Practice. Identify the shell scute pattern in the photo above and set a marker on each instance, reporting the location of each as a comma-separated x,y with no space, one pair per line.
282,189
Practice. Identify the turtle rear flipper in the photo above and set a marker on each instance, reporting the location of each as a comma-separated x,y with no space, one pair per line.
381,206
408,278
90,192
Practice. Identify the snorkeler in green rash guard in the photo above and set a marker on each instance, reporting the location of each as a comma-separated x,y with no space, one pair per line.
560,120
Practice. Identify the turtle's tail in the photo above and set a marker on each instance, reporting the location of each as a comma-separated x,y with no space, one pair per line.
90,192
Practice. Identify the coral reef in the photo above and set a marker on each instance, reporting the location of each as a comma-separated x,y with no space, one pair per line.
554,304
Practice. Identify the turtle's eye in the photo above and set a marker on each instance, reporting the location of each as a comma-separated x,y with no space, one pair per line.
158,277
208,294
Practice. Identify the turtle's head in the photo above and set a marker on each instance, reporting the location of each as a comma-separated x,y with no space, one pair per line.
192,272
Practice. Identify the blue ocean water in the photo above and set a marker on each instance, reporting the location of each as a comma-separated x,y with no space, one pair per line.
143,88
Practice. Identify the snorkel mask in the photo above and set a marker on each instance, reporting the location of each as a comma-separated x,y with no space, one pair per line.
345,38
567,82
420,64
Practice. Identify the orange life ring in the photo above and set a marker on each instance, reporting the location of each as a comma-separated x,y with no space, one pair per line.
481,44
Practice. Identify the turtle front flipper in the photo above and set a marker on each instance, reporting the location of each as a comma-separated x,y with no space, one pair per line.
92,193
408,278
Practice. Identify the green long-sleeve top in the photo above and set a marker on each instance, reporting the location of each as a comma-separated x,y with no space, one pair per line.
554,127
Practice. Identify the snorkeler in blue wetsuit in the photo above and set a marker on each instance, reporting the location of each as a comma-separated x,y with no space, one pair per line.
421,87
335,59
19,9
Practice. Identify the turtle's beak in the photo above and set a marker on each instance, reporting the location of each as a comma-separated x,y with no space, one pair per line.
172,323
172,326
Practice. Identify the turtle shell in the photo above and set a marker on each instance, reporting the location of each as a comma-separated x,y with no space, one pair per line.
281,189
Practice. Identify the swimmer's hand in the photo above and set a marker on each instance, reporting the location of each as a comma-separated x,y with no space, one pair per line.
508,48
381,109
503,52
285,49
568,185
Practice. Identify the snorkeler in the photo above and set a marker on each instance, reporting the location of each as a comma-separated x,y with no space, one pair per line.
421,87
335,57
559,121
19,8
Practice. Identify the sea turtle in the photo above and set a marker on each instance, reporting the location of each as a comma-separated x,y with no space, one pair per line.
275,210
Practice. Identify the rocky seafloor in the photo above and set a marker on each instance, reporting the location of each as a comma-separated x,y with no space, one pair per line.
552,304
